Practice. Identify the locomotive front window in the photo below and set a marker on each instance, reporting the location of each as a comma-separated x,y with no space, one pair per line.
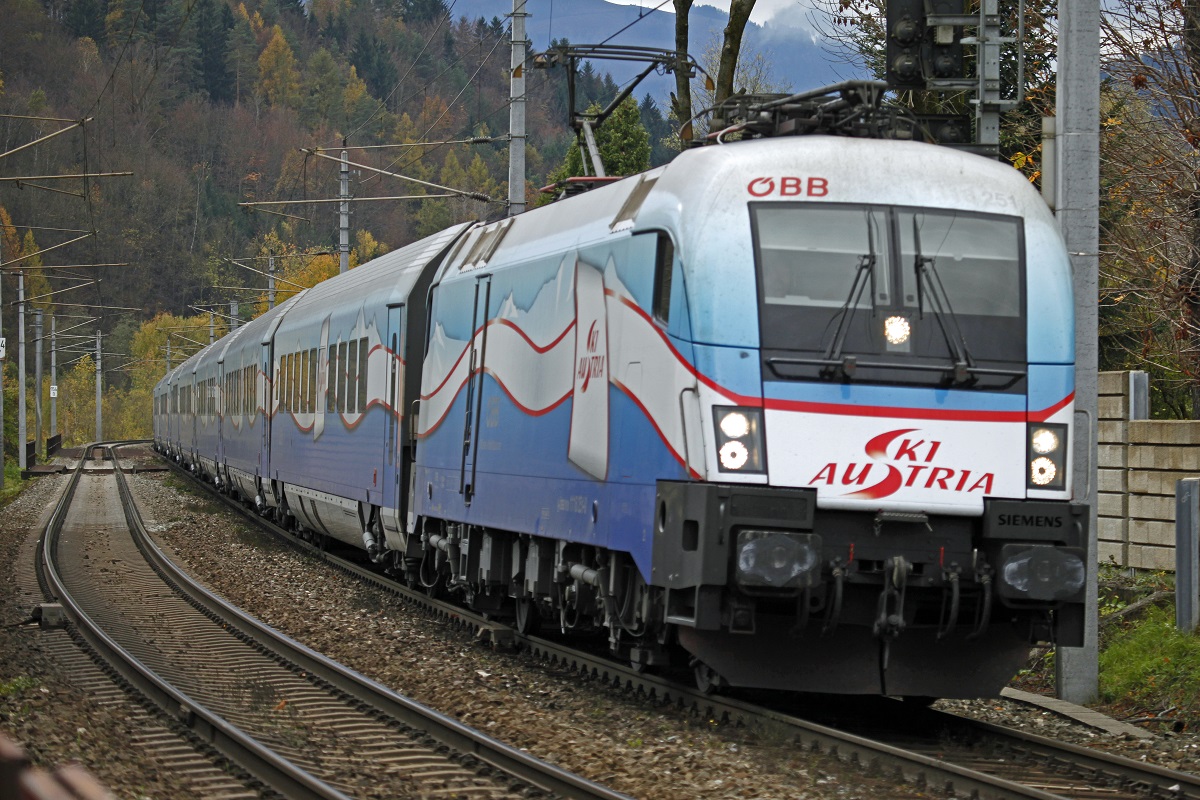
976,259
812,259
890,294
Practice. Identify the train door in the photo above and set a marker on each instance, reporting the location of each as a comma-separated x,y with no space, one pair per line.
264,398
221,410
475,383
394,467
194,391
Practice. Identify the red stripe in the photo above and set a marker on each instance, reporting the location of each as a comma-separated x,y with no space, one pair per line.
547,348
509,324
653,424
954,415
741,400
529,411
532,412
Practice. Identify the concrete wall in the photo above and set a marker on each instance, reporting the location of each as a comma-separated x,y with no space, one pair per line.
1140,460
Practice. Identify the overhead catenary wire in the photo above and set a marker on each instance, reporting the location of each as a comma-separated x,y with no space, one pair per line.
400,82
457,97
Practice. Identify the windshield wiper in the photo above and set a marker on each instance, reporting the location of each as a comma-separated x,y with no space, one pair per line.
864,275
939,304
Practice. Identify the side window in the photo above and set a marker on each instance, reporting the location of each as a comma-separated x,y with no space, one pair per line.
341,378
288,380
311,404
664,262
362,375
352,377
331,381
302,381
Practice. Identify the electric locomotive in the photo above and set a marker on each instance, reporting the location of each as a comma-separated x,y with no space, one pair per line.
795,409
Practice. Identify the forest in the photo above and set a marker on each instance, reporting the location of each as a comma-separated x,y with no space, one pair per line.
131,132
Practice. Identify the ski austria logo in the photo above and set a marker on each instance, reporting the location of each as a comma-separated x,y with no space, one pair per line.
591,365
911,463
788,186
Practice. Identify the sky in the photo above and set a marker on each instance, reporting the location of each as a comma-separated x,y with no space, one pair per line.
788,11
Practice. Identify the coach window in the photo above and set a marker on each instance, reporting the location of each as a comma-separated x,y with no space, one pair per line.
664,258
352,378
311,403
302,381
362,375
341,378
331,380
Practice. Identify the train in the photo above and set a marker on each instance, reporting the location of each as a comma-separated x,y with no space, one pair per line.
794,412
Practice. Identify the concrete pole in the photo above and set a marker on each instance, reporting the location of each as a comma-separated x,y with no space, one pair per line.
37,380
53,377
99,388
1077,144
233,316
344,215
516,113
168,353
22,433
270,282
212,327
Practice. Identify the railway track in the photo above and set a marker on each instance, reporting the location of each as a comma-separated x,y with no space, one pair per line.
299,724
942,752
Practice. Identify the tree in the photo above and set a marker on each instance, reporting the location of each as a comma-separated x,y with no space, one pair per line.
681,99
731,47
36,285
1150,262
212,41
623,143
242,55
322,91
659,130
753,75
278,80
85,18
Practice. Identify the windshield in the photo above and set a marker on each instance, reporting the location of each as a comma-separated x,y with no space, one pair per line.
977,259
811,260
831,275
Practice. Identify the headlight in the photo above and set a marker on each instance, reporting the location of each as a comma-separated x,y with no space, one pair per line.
1047,456
735,425
739,439
896,330
733,455
1043,441
1042,471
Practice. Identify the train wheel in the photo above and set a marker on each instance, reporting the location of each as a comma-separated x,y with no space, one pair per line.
918,700
527,620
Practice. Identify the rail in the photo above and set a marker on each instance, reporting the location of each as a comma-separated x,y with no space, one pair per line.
444,729
1120,777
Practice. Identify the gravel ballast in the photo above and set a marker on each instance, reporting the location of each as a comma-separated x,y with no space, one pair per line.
625,742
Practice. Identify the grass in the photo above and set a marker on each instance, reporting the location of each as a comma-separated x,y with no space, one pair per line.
1148,668
1152,666
12,481
17,686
